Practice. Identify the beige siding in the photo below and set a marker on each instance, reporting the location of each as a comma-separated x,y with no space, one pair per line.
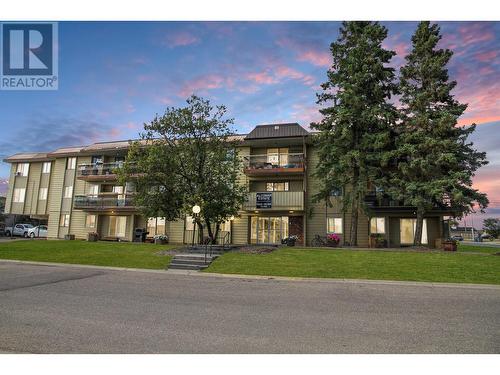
176,234
55,198
10,192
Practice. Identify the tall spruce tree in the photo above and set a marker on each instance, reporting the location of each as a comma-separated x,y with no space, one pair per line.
355,132
435,162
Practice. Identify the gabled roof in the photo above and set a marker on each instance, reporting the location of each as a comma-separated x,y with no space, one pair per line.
277,131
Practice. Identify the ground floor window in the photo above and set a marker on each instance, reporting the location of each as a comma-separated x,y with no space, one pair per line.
268,229
407,231
334,225
64,220
377,225
156,225
91,221
117,226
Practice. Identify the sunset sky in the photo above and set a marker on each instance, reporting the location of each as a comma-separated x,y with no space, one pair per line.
114,76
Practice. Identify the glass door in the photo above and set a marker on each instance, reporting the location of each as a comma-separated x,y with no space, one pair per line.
268,229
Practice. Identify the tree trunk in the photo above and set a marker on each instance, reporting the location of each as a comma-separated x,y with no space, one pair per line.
200,232
354,222
209,230
217,229
417,241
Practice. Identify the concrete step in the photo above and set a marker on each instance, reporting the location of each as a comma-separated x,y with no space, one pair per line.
192,267
202,251
196,257
199,262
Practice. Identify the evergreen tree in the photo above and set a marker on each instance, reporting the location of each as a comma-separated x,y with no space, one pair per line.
435,162
355,132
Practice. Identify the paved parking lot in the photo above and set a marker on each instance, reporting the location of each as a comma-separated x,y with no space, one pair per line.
61,309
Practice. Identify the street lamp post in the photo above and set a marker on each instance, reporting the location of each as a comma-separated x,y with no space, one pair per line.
196,210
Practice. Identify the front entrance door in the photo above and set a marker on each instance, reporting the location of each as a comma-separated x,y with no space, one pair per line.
268,229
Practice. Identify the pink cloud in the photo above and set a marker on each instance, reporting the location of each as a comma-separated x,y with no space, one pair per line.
315,57
202,83
262,78
180,39
290,73
486,56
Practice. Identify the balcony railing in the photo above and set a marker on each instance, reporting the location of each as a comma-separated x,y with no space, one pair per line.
274,163
98,171
275,201
104,202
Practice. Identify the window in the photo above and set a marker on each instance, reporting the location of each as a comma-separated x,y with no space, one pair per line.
377,225
64,220
277,186
336,192
68,191
90,222
189,223
42,194
22,169
277,156
117,226
71,163
407,231
334,225
93,189
46,167
19,195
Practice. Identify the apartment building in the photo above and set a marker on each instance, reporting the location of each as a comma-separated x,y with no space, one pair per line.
75,191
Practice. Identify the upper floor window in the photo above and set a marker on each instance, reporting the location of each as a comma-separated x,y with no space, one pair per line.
68,191
277,186
22,169
46,167
93,189
277,156
42,194
19,194
71,163
377,225
334,225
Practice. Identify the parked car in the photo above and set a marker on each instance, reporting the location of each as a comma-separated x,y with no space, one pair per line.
38,231
19,230
486,236
457,237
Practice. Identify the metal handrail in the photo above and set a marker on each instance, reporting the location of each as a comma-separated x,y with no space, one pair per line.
262,161
93,201
99,168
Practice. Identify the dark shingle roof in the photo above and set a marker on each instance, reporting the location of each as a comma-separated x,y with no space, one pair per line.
277,131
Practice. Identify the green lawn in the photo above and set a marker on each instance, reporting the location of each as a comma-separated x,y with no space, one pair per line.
115,254
375,265
466,248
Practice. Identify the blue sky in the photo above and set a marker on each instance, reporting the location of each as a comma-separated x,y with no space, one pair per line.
114,76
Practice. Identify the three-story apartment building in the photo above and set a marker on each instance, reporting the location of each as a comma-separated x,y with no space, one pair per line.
75,191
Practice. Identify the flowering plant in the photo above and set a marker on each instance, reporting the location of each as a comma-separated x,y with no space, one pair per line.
161,237
333,237
290,240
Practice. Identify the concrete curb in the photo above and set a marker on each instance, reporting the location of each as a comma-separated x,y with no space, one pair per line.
268,278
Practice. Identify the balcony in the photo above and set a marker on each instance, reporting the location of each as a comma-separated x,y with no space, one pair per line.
98,172
383,203
104,202
274,164
275,201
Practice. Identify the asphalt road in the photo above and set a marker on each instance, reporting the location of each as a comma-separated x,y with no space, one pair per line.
46,309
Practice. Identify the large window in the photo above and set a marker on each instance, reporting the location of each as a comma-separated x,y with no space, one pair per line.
64,220
156,225
277,186
268,229
117,226
334,225
19,194
377,225
91,221
22,169
42,194
68,191
93,189
277,156
407,231
71,163
46,167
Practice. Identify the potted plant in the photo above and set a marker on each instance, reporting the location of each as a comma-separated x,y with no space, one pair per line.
161,239
333,240
92,236
450,245
377,240
290,240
